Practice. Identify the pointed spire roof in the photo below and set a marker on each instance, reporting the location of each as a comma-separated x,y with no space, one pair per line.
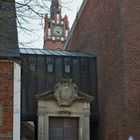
55,8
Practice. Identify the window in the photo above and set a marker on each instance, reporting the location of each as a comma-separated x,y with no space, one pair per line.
67,68
84,69
67,65
32,67
50,67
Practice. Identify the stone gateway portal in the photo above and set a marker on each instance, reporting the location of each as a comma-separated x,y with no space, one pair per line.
62,118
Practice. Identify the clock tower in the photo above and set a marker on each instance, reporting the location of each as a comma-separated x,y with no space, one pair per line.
56,28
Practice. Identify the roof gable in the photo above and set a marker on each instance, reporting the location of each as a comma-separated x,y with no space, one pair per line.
65,92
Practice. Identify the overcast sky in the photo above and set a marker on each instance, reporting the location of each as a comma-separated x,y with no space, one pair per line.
69,7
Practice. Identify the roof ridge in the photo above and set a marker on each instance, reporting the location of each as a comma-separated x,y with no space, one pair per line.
39,51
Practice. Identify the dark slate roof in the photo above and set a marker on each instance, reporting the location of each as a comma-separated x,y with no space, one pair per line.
8,30
34,51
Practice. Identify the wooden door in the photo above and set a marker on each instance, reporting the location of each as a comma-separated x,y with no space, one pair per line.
63,128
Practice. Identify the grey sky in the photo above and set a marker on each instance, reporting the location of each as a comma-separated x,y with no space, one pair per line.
69,7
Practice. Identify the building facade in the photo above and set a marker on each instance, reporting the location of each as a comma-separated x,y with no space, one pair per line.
9,74
110,29
9,100
64,113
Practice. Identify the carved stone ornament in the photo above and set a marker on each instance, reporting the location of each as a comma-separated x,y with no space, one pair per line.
66,92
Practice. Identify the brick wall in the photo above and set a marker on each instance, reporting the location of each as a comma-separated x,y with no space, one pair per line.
53,45
131,67
110,29
6,100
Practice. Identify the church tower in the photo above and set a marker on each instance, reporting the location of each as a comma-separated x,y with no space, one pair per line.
56,28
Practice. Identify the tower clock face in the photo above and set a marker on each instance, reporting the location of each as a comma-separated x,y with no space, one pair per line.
58,31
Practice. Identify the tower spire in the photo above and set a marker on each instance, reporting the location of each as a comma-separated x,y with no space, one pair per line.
55,8
56,27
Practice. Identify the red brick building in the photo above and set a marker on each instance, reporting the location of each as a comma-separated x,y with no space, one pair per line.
111,30
9,74
6,102
9,100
